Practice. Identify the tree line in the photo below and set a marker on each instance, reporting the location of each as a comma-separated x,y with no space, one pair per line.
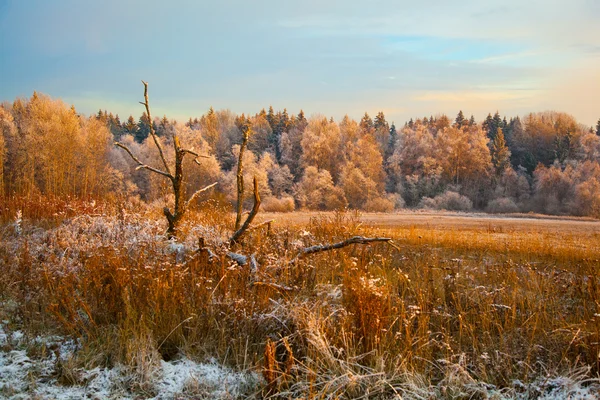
544,162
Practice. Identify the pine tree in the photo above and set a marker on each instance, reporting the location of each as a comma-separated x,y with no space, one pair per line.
143,130
380,122
130,126
366,124
271,119
500,153
472,121
460,119
301,118
411,124
598,128
392,141
563,146
284,121
488,125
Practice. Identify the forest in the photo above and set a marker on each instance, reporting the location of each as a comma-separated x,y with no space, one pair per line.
543,162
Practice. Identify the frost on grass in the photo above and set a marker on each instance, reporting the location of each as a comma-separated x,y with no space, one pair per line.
25,377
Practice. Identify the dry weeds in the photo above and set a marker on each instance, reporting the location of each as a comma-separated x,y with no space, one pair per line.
467,308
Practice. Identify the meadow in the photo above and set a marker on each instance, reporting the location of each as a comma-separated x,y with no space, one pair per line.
455,306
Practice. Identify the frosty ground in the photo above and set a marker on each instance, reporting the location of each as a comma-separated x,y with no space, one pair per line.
103,306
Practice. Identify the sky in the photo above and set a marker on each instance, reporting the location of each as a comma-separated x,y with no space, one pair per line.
408,59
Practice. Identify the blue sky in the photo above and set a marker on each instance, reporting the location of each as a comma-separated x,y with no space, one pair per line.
407,59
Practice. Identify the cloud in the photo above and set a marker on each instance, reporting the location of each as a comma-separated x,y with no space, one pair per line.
442,55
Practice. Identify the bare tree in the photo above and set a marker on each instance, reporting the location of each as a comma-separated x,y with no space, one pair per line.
176,178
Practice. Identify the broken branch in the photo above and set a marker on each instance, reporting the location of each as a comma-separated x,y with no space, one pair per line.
240,232
327,247
187,204
240,181
156,142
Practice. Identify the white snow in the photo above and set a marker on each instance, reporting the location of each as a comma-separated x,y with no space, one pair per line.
23,377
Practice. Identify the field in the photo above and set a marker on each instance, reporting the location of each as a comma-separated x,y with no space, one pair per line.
456,306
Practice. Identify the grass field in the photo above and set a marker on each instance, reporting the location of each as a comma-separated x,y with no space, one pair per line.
458,306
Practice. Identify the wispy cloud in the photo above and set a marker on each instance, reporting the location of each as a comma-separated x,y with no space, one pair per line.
406,57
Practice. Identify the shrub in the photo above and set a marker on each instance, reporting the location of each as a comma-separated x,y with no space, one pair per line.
379,204
448,200
274,204
502,205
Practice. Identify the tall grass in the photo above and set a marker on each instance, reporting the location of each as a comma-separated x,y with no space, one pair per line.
444,312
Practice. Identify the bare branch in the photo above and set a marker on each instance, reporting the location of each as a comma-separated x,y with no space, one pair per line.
240,232
156,142
326,247
141,164
190,152
200,156
204,189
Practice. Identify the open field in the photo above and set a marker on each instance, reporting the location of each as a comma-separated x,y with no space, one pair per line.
458,306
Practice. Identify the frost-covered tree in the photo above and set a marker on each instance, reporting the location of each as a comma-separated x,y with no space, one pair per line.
260,137
589,147
321,144
316,191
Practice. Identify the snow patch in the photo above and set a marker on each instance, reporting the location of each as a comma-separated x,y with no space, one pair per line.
23,377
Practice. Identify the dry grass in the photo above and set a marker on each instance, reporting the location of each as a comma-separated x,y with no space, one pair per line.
458,305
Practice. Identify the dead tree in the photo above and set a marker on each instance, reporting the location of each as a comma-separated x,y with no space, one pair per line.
176,178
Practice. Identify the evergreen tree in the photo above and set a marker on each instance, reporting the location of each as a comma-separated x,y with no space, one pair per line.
301,118
392,142
162,128
143,130
284,121
271,118
130,126
380,122
102,116
472,121
114,125
563,146
411,124
500,153
488,124
381,133
366,124
598,128
460,119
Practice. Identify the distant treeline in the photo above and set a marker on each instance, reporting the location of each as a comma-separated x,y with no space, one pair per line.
546,162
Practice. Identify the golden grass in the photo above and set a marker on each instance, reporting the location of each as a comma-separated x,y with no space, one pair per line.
464,301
